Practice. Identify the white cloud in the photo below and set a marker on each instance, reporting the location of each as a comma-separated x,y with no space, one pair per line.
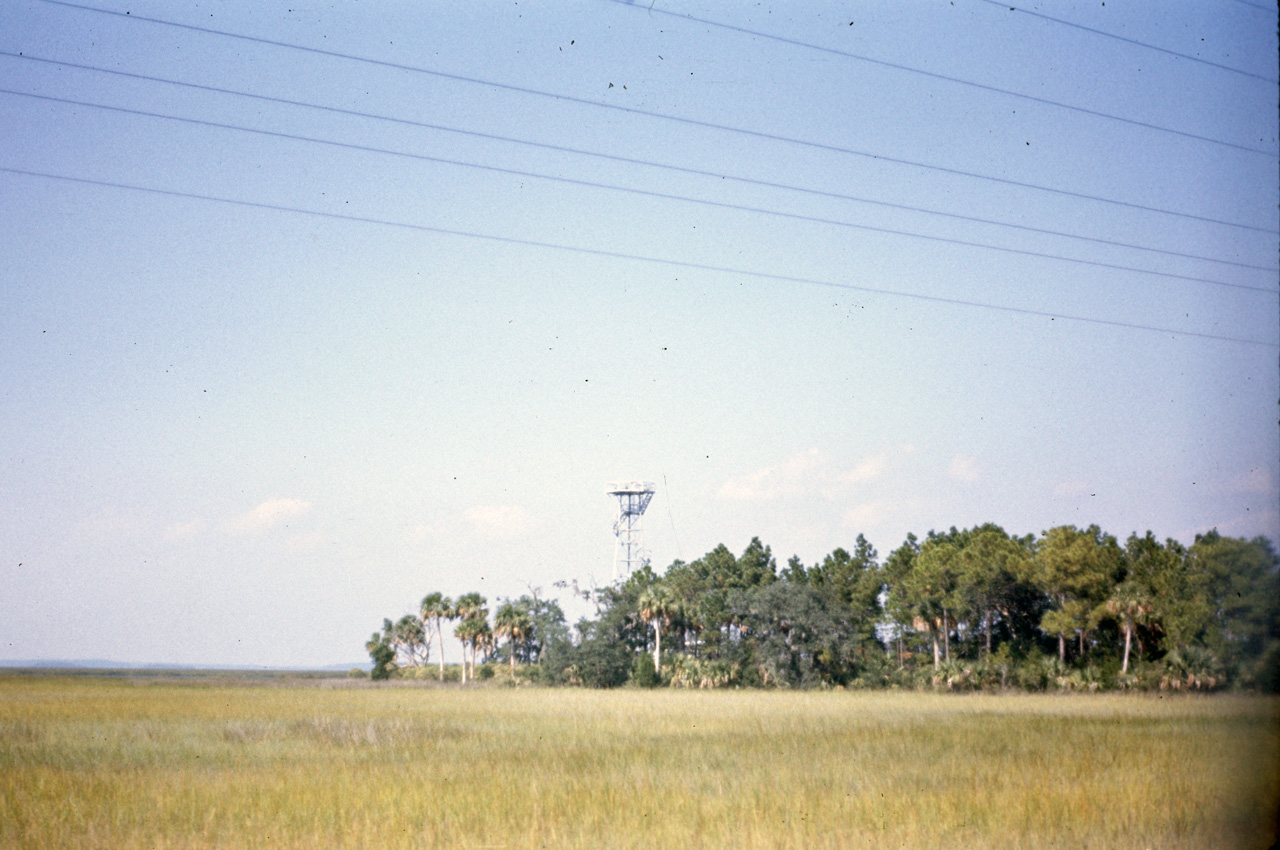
810,472
268,514
498,520
872,467
963,468
793,476
869,514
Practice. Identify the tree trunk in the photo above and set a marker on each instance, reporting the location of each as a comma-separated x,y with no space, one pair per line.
1062,638
464,662
946,634
1082,643
987,623
440,641
1128,635
933,636
657,646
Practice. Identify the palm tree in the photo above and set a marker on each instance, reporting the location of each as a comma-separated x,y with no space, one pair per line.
481,644
462,632
409,639
435,608
1192,667
929,584
658,606
471,610
513,624
1130,604
469,632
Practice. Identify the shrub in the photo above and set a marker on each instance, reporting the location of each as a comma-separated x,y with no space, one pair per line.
872,671
1087,678
1031,674
900,677
1000,667
1192,668
643,672
1266,672
954,675
689,672
383,660
595,663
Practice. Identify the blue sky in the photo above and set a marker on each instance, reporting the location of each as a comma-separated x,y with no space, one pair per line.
245,432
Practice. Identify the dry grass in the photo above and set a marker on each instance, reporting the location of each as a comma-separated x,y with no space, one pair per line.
112,764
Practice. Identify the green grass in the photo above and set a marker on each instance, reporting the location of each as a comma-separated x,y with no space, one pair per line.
120,763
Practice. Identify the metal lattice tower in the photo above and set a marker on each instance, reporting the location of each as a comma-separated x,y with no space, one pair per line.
629,554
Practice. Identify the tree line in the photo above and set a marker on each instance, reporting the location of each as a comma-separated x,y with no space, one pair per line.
520,632
1070,609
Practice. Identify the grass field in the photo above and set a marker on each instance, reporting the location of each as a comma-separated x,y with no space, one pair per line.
165,764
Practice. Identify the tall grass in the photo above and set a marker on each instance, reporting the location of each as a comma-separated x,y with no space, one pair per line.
179,765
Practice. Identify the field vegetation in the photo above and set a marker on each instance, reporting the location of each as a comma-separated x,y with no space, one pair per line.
134,763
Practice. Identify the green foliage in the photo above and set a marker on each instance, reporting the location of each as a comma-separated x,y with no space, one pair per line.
955,676
1076,570
801,634
1032,673
1001,664
513,623
595,663
643,672
383,657
1192,668
434,609
702,673
971,609
1265,672
1242,588
854,583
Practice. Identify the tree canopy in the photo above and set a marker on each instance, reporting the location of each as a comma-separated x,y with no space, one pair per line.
1069,608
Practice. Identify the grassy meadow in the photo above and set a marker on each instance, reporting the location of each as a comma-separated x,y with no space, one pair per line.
183,764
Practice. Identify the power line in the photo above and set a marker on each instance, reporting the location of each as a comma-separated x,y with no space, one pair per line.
666,491
636,161
1256,5
631,190
1133,41
693,122
619,255
957,80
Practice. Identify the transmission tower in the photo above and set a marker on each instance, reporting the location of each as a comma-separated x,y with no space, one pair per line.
629,554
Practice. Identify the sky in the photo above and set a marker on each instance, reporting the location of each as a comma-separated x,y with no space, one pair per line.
309,310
